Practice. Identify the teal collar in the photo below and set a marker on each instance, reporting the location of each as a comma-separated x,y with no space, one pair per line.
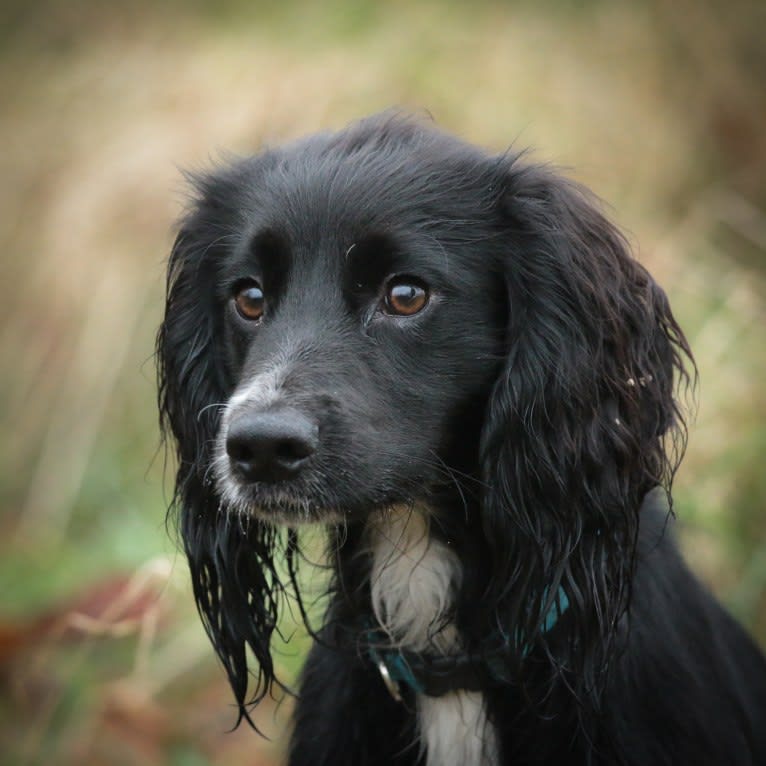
435,675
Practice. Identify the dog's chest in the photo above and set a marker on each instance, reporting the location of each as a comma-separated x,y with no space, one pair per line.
413,581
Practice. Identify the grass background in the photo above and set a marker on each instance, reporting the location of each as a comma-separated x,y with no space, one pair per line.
658,106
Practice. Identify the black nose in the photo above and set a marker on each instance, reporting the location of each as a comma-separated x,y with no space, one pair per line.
272,445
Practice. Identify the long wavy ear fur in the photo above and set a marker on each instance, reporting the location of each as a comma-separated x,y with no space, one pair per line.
582,422
234,579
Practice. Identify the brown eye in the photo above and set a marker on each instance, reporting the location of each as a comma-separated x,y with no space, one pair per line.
405,296
249,301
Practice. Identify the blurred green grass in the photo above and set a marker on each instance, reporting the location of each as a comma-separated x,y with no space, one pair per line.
658,106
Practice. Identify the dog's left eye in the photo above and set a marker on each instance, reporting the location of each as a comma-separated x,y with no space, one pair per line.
249,301
405,296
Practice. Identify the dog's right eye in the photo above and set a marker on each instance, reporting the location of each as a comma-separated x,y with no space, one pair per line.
249,301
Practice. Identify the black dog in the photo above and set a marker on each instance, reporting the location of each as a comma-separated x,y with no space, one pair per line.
451,360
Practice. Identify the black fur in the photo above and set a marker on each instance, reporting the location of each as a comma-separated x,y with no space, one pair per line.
530,406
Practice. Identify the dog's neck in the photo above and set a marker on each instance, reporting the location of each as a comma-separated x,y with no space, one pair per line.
413,582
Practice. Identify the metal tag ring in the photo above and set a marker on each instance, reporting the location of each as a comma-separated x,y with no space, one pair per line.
391,685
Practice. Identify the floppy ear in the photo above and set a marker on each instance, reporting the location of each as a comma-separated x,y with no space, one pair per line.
231,560
582,422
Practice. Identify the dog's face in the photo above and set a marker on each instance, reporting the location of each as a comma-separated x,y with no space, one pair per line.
389,315
360,327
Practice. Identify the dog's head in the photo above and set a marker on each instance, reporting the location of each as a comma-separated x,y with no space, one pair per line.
377,316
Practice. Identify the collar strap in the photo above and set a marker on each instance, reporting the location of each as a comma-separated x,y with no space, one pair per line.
432,675
435,675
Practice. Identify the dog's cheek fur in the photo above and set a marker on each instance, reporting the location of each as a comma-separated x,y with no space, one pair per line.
436,376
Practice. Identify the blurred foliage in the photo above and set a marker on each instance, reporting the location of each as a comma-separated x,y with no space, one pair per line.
658,106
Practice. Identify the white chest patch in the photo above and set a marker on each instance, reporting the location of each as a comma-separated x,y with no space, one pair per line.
413,582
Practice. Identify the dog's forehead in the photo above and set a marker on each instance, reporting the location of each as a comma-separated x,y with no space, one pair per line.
321,197
388,166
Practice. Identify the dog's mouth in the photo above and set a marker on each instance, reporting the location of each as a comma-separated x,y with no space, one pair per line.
279,505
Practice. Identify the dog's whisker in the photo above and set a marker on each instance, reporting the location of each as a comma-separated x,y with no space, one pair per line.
215,405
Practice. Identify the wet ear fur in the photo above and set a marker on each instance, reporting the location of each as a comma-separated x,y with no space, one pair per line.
234,578
582,421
